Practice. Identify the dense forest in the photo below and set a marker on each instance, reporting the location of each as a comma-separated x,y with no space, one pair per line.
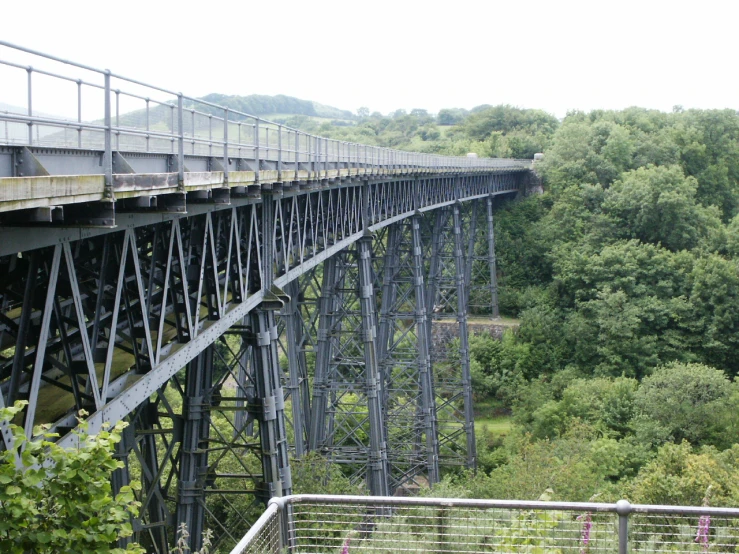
490,131
620,379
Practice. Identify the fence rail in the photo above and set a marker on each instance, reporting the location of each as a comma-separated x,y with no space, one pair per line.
352,524
110,112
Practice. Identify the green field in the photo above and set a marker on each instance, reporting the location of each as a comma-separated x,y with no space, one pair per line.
497,426
490,419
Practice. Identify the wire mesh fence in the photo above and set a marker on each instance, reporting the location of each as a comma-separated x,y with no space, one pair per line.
345,525
320,527
264,537
658,532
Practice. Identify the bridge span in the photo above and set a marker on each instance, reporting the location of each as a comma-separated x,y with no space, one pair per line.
242,293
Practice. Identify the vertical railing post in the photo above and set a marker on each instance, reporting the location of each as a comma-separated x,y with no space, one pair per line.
312,148
297,153
147,124
238,152
623,509
79,113
279,152
192,125
117,119
108,158
180,144
171,126
210,135
30,105
257,164
225,147
318,158
284,513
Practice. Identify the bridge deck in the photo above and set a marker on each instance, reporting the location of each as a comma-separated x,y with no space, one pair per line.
23,193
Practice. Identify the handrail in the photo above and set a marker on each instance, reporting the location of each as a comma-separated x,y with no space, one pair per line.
233,132
327,523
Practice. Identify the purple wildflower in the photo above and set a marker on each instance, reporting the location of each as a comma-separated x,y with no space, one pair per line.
587,525
704,528
345,549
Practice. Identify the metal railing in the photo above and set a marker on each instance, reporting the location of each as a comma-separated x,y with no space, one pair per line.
116,113
349,524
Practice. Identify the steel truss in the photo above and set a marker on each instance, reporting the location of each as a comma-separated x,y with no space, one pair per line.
407,388
481,273
347,414
175,322
447,300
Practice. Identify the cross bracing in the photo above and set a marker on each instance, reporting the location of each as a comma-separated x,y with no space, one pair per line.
239,307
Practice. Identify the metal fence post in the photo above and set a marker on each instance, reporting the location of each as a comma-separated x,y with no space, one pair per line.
225,147
30,106
117,119
108,157
180,145
79,112
623,509
279,153
257,164
297,155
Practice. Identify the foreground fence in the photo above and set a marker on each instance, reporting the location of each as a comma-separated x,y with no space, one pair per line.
352,524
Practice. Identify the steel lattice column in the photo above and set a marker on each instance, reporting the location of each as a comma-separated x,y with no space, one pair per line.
347,422
491,258
447,302
424,357
326,310
482,290
272,432
297,380
464,348
410,417
267,374
194,455
377,474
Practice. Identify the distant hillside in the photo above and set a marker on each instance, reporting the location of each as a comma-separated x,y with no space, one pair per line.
281,109
18,132
260,104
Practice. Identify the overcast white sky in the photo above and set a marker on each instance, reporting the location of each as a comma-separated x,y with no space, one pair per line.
553,55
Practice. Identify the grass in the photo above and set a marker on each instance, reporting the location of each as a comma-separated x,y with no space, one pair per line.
501,321
498,426
483,320
490,418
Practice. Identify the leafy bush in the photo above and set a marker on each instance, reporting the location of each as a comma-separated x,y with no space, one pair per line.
57,500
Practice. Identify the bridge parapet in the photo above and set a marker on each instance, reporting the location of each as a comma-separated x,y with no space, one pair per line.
115,138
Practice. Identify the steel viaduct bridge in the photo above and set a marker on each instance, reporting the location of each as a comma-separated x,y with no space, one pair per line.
240,292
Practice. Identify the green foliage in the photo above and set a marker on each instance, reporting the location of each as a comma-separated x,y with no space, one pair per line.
681,475
659,205
624,275
691,401
607,404
59,500
565,465
314,474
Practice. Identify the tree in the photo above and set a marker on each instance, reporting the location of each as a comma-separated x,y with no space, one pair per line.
691,401
451,116
680,476
57,500
658,205
363,112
